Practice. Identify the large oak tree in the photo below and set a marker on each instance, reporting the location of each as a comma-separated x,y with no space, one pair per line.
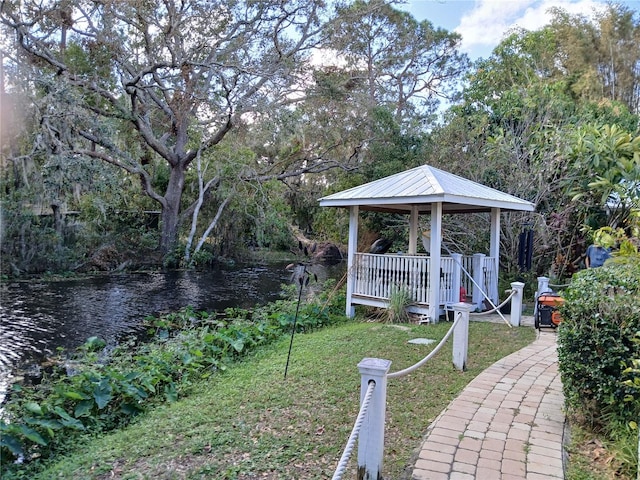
136,83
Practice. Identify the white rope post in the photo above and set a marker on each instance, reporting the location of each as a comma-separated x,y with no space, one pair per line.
461,335
543,286
516,303
371,439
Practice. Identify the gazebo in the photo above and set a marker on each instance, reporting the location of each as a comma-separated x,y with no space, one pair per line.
423,190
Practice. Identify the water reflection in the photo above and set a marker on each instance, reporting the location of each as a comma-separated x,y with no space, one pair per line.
37,318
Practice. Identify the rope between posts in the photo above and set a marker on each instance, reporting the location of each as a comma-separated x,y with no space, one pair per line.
563,285
513,292
342,464
402,373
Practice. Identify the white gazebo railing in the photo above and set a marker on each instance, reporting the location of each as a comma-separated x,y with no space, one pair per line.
377,276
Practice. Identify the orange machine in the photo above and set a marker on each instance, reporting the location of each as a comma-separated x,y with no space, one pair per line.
547,314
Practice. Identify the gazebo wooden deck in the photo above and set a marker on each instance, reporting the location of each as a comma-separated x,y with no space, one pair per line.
423,190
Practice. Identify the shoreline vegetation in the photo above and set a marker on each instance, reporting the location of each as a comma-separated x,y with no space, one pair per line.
255,257
207,398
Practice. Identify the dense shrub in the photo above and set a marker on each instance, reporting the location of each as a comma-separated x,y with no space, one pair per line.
596,342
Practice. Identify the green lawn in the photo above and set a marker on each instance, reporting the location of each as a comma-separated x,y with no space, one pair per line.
249,422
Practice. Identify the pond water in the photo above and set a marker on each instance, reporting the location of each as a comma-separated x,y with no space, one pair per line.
38,317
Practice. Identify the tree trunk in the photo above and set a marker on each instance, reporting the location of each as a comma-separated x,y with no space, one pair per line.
171,210
57,219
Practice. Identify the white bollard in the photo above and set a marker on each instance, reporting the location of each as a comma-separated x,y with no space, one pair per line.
461,335
516,303
371,439
543,286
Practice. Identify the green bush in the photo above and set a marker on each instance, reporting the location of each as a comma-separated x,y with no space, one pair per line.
601,317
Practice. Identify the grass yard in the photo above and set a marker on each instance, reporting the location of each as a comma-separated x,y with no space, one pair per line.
250,423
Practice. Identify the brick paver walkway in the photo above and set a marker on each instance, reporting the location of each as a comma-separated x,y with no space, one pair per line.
507,424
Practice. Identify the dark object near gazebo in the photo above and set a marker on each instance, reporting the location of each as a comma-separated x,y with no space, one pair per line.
382,245
328,253
525,250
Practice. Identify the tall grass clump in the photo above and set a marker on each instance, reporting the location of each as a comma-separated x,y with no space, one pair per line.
399,299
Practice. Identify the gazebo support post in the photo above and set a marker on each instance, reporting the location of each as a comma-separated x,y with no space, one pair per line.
353,245
494,252
434,262
479,284
413,231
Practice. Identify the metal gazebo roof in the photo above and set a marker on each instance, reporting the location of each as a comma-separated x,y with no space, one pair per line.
421,186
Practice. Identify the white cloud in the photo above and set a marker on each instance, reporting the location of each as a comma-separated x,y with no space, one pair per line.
488,20
485,25
326,58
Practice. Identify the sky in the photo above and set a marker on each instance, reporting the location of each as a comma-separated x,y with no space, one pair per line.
483,23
